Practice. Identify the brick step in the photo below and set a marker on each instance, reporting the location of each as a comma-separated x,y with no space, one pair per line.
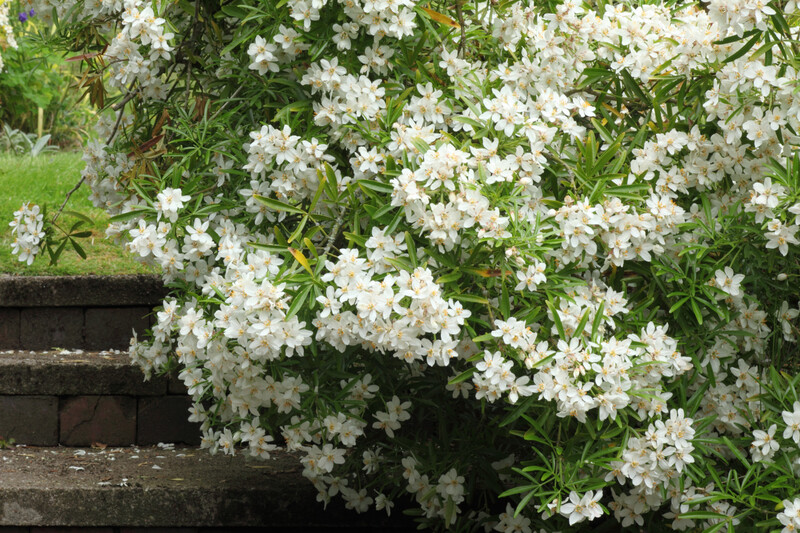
125,489
86,312
76,398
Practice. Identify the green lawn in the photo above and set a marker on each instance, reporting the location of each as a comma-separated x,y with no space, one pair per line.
46,180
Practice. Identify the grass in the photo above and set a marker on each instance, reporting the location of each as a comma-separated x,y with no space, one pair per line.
45,180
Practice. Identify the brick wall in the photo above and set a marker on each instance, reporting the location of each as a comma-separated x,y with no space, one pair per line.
84,420
87,312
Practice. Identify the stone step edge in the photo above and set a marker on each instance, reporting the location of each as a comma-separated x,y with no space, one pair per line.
78,372
162,487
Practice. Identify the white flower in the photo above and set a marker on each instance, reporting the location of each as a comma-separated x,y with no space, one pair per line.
169,202
764,444
532,277
792,421
790,515
578,508
728,281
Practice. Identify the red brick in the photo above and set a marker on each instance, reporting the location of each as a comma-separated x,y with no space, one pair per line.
29,419
166,419
43,328
9,328
107,419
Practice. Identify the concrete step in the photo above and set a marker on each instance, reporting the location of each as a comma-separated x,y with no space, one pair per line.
77,398
180,487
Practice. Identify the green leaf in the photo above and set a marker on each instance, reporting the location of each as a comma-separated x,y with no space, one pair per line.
77,247
465,375
700,515
80,216
471,298
55,255
420,145
582,324
320,188
130,214
598,319
412,249
298,230
505,306
678,305
556,319
449,278
696,310
376,186
277,205
518,411
743,49
516,490
298,301
331,185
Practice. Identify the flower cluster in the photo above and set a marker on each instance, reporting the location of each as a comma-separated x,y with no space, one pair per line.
24,16
7,38
651,463
27,228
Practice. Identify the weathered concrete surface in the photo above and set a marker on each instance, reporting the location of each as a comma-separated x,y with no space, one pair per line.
81,291
121,487
74,373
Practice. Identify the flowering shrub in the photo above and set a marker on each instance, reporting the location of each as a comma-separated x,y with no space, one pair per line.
510,266
7,38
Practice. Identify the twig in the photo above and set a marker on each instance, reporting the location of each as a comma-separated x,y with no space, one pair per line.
116,127
462,42
128,97
66,199
334,231
227,101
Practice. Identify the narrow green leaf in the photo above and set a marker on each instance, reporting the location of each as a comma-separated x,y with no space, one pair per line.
471,298
462,376
77,247
298,301
743,49
80,216
556,319
277,205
